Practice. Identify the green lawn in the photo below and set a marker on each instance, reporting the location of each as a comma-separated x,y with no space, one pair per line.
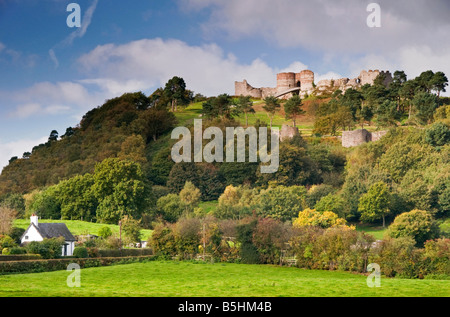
181,279
79,227
377,231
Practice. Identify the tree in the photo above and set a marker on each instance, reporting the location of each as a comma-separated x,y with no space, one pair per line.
313,218
53,136
424,104
272,105
15,202
244,105
293,108
439,82
417,224
438,135
7,217
156,122
219,106
120,190
375,203
133,148
131,229
170,207
175,91
76,198
190,195
281,202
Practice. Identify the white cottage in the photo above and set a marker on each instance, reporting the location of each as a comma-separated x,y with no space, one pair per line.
40,231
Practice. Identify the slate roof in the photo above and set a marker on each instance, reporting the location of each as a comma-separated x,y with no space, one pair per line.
53,230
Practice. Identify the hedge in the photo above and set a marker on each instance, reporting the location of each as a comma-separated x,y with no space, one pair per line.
39,266
124,252
19,257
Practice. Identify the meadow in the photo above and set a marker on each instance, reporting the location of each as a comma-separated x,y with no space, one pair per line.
188,279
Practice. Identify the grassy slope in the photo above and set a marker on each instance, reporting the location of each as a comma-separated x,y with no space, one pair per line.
79,227
180,279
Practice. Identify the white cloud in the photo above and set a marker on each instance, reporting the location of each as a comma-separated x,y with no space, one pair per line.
53,57
17,148
338,25
329,75
152,62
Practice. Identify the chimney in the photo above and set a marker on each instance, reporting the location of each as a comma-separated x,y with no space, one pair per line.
34,219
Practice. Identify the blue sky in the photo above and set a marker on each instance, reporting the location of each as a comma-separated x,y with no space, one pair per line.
52,74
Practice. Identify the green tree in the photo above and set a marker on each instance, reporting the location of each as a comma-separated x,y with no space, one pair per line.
219,106
244,105
417,224
438,135
271,106
280,202
293,108
131,229
375,203
157,121
76,198
439,82
120,190
175,91
424,104
171,207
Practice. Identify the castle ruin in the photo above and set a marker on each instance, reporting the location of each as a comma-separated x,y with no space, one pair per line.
361,136
303,83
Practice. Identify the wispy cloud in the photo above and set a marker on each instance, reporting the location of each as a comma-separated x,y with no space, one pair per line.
78,33
86,21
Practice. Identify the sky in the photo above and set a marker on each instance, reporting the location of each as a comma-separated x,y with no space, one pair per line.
52,74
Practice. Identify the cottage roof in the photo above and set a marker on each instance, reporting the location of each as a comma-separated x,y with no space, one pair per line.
53,230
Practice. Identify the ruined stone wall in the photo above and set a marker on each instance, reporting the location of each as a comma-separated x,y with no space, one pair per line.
288,132
368,77
305,80
244,89
361,136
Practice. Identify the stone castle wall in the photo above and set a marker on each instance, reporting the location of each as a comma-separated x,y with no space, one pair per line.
305,81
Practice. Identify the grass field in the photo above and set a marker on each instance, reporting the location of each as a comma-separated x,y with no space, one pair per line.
186,279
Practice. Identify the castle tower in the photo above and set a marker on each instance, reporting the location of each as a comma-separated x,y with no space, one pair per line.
306,79
285,81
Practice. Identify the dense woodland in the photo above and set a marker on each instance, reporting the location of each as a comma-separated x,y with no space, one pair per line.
117,162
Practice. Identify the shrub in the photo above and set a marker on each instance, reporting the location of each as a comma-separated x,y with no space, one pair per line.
330,249
6,242
6,251
18,250
417,224
163,241
248,251
105,232
48,249
397,257
80,252
437,255
270,237
187,237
